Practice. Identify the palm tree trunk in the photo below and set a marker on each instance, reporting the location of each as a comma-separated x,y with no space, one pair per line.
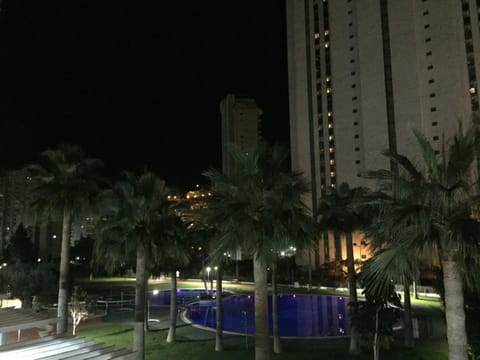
309,270
407,316
376,340
352,287
139,318
62,311
454,311
203,274
4,211
219,312
277,345
173,309
262,341
27,302
147,302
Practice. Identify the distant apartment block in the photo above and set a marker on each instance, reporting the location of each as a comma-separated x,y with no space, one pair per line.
14,200
241,126
15,190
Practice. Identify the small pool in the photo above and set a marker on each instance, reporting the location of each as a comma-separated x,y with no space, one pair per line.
299,315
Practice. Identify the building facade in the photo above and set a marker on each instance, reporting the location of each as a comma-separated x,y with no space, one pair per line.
241,126
364,73
14,200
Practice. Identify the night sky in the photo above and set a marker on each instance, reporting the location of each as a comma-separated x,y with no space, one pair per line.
134,84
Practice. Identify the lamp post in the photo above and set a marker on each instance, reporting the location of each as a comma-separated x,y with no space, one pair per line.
215,268
208,268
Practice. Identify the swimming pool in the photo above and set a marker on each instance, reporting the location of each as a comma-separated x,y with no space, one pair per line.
299,315
184,296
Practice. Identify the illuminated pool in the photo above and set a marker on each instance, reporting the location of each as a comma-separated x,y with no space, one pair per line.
184,296
299,315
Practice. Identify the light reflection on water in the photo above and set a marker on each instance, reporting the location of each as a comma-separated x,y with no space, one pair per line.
299,315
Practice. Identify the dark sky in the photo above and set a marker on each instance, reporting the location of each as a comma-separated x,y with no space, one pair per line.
134,84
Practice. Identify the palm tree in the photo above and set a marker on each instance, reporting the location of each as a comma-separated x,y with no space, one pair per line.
259,209
392,260
65,185
201,235
439,211
341,211
175,255
397,264
135,223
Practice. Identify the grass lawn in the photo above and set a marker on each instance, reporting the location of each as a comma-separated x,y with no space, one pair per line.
235,347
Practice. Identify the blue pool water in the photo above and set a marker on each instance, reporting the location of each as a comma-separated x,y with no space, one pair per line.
184,296
299,315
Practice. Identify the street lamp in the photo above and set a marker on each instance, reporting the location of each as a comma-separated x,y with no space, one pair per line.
208,268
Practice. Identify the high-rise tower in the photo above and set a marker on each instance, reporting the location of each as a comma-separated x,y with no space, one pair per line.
240,126
364,73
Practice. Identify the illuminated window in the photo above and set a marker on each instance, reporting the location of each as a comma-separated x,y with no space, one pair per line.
332,173
328,79
331,150
326,32
330,138
327,44
329,114
332,162
317,36
330,126
329,90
